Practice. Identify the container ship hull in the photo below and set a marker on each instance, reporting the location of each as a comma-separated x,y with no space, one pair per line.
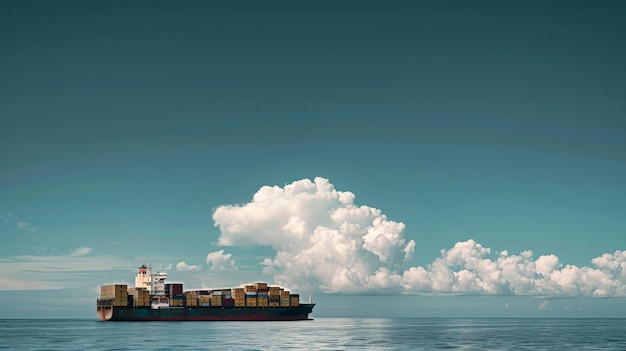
123,313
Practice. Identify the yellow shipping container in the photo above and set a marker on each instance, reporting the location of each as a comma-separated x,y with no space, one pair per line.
295,300
203,299
260,286
120,302
274,304
177,302
113,291
142,303
251,301
262,302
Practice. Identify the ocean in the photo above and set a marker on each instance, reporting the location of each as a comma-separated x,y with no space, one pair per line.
318,334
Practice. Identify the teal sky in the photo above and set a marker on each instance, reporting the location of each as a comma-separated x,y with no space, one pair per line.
125,126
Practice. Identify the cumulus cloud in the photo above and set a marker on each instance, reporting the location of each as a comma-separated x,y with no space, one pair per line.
218,260
324,241
182,266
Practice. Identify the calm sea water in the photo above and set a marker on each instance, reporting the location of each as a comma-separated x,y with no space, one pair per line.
319,334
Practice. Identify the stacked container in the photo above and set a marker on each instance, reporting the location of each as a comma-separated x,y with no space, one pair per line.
251,299
239,297
216,298
295,300
173,289
141,297
191,299
177,300
284,298
204,300
117,292
274,296
260,286
262,299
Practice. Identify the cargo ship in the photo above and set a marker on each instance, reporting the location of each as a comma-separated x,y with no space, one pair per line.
151,299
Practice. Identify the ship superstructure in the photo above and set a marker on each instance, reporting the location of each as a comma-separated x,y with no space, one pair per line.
153,299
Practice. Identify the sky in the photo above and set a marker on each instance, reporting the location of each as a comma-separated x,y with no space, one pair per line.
397,158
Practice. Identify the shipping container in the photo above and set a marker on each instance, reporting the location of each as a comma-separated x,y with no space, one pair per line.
173,289
204,300
251,301
260,286
114,291
177,302
191,300
295,300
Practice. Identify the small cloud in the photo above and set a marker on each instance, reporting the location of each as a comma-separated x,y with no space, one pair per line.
81,251
218,260
570,308
24,226
506,306
182,266
168,267
545,306
7,217
43,249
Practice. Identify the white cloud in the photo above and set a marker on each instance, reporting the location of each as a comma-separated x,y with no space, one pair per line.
24,226
218,260
81,251
324,241
182,266
7,217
